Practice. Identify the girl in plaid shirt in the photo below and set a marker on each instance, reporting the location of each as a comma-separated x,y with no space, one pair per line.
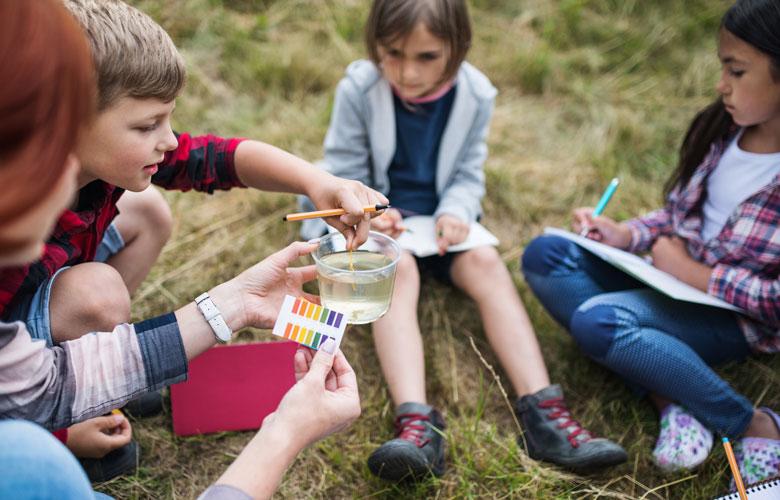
718,232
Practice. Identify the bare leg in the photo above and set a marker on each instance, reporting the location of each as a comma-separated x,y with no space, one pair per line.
659,402
397,337
482,275
762,426
86,298
145,224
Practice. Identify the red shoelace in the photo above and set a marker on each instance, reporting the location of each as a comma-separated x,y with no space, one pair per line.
411,427
560,411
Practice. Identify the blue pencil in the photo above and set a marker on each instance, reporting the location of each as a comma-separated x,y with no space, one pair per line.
602,204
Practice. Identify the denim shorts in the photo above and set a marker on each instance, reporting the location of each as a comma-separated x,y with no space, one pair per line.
34,309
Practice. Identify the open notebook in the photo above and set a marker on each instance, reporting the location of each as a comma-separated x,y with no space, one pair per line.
420,237
644,271
767,490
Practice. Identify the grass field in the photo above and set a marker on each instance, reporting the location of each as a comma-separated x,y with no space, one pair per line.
589,89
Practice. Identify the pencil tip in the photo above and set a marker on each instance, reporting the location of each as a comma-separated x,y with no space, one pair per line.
284,219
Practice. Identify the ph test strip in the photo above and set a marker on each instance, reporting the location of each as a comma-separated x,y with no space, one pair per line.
308,323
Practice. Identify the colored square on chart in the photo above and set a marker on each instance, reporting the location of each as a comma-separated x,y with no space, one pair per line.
308,324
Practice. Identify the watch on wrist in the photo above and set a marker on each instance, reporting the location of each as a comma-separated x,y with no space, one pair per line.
216,321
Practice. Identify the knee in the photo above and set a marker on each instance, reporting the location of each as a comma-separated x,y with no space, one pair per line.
484,259
545,254
594,328
101,294
406,269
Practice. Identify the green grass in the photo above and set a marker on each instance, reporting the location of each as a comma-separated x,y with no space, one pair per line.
589,89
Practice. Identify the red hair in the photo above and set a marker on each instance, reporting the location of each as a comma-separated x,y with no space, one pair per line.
47,93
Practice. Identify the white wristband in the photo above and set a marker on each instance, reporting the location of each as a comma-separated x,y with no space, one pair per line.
222,331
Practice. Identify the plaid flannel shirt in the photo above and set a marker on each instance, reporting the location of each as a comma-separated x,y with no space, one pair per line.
744,256
203,163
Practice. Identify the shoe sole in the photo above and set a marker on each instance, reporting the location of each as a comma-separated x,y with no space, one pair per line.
594,463
400,470
121,461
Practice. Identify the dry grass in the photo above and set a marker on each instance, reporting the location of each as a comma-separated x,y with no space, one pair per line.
588,89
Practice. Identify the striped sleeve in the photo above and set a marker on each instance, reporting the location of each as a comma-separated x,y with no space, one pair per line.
89,376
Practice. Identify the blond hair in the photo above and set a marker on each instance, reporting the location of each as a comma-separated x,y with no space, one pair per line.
133,55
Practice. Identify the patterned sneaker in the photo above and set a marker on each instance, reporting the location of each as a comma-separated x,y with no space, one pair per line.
553,436
418,448
683,443
758,458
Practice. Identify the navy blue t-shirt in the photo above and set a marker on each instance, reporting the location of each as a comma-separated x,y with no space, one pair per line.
412,173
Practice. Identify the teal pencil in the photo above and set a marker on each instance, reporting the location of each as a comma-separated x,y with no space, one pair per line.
602,204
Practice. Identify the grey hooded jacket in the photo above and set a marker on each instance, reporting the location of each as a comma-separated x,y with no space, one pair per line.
361,140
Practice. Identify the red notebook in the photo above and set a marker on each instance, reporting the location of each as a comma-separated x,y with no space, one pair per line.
232,388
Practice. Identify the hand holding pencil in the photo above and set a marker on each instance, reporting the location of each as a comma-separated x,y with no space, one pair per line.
601,228
391,223
351,198
590,223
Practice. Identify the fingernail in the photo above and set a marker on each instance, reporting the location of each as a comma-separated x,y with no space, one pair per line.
314,241
118,419
329,346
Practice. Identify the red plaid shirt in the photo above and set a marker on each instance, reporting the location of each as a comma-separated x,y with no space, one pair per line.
745,256
204,163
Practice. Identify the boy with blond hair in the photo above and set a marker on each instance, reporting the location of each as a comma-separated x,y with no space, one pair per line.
104,246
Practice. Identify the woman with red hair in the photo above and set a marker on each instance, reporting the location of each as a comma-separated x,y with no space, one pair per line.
45,99
46,96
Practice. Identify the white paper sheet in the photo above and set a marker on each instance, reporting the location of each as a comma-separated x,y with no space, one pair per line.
421,240
644,271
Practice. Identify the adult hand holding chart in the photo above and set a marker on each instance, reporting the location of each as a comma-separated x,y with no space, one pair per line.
644,271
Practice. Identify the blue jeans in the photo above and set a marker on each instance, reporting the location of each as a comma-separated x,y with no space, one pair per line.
654,342
35,465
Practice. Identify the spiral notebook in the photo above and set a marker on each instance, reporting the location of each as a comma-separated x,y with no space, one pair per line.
766,490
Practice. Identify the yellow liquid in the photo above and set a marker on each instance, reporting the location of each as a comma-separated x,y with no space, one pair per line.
363,297
352,268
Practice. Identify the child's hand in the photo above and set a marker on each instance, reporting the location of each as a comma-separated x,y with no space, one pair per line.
352,196
324,399
670,254
96,437
389,223
603,229
450,231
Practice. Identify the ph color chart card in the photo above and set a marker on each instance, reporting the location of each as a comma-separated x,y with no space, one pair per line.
308,323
